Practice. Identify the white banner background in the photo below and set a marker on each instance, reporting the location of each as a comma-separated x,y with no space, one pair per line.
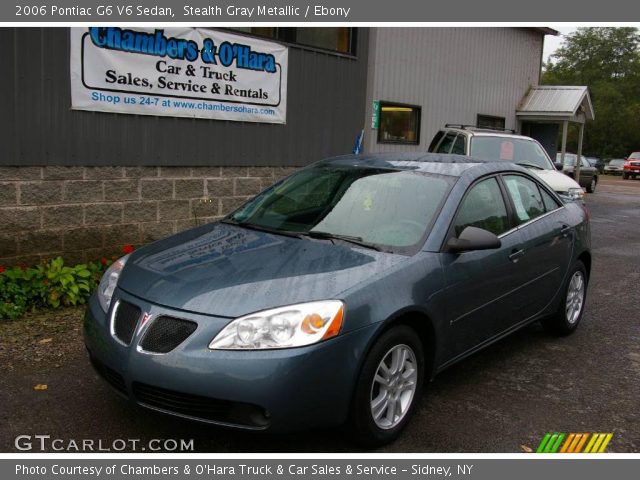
112,80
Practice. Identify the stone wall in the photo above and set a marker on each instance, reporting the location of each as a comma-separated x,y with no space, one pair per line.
84,213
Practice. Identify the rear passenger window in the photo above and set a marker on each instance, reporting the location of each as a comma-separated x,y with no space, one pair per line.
483,207
458,146
445,146
526,197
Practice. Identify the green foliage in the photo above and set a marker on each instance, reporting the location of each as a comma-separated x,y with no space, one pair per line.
48,285
607,60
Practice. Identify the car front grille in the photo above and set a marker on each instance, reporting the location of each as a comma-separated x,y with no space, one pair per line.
125,321
112,377
166,333
201,408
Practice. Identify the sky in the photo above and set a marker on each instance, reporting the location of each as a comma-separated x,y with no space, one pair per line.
551,43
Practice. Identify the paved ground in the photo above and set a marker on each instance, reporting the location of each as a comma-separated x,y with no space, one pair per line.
501,400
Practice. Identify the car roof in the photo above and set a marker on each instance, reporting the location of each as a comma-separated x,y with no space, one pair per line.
481,132
438,163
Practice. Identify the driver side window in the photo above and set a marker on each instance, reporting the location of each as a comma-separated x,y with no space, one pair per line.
483,207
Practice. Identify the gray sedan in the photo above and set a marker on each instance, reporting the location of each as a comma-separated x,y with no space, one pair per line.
334,294
588,173
614,167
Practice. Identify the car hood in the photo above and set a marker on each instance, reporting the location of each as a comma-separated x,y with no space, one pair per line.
558,181
230,271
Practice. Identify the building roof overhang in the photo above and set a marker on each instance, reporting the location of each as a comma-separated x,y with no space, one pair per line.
556,103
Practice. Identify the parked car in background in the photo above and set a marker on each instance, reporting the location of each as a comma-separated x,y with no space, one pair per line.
333,295
631,167
597,163
588,174
501,145
614,166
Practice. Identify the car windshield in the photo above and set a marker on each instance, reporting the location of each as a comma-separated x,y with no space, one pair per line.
616,163
371,207
634,156
512,149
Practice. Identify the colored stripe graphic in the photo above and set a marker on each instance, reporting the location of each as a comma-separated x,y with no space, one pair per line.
550,443
574,443
598,442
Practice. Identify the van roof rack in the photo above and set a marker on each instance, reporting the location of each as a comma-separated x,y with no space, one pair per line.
476,127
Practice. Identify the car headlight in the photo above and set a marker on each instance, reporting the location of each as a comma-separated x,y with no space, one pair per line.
283,327
575,193
109,281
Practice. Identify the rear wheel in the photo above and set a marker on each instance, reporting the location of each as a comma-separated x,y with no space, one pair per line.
592,185
566,319
388,388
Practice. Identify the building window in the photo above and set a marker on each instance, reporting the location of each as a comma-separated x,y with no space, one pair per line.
269,32
399,124
329,38
491,122
336,39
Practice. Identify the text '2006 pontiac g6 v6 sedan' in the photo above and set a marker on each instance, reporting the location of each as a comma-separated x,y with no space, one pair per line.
334,294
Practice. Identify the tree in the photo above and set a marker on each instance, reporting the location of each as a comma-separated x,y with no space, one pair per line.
607,60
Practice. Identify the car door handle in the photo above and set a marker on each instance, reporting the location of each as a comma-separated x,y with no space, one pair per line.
565,230
516,255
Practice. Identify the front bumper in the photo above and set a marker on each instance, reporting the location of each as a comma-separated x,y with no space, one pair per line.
278,390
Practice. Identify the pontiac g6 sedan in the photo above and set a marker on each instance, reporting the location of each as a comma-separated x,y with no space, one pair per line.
331,296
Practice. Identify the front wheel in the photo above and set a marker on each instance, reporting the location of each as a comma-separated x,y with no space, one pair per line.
571,308
388,388
625,176
592,185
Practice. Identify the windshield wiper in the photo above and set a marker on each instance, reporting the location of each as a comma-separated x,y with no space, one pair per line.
260,228
345,238
529,165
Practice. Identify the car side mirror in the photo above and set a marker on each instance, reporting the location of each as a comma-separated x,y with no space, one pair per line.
558,166
473,238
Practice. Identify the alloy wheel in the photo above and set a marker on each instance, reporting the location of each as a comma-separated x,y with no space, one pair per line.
394,386
575,297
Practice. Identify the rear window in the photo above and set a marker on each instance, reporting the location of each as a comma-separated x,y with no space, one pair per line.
569,159
436,140
510,149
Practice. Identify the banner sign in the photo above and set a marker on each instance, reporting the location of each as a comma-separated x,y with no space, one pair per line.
178,72
419,467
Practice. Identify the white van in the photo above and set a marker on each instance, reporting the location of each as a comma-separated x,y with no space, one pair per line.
498,145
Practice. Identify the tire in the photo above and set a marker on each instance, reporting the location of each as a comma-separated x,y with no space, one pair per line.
625,176
364,428
592,185
567,318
